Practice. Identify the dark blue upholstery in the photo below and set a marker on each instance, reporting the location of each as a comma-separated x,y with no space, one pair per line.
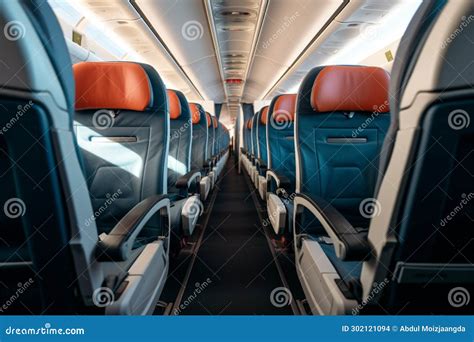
199,150
342,172
254,135
130,171
281,145
179,156
262,138
210,136
247,137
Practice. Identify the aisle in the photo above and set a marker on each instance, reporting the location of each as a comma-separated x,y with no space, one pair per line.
234,272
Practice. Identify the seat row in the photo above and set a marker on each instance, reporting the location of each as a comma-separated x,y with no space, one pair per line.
104,171
351,189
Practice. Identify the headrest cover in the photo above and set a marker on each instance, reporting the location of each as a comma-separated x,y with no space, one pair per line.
284,108
264,115
350,88
209,119
214,120
249,124
111,85
195,112
175,105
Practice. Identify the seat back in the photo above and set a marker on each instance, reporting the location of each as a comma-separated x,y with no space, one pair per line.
199,151
210,135
121,124
262,134
247,135
254,134
215,126
422,234
44,194
280,135
342,116
181,132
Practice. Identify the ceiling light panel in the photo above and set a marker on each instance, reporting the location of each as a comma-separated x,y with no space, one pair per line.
235,23
183,27
288,29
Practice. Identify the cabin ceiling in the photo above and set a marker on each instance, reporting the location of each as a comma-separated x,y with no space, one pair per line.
233,51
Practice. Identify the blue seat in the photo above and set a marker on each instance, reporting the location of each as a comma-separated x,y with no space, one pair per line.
222,144
338,143
255,153
281,168
342,117
56,253
183,183
261,161
200,157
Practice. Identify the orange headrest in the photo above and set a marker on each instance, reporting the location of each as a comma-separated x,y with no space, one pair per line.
264,115
209,120
195,112
350,88
248,124
175,105
214,120
284,108
111,85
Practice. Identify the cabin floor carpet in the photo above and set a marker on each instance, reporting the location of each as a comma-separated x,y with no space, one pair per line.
234,272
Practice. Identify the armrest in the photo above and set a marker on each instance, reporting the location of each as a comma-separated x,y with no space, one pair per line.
281,180
210,162
117,245
349,243
185,182
261,166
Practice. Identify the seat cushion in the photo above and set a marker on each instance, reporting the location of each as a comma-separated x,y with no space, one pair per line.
347,270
